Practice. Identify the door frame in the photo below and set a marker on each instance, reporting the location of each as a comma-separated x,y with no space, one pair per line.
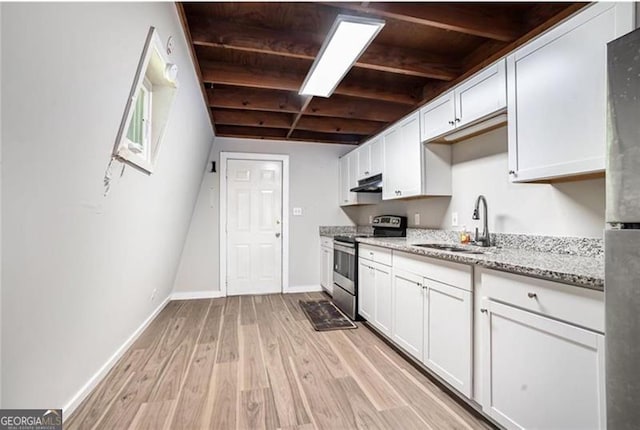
226,156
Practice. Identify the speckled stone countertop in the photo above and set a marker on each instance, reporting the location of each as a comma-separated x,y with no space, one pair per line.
582,271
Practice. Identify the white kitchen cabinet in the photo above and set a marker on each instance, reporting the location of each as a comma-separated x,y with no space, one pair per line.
345,194
448,334
364,161
326,265
383,316
438,117
375,293
408,311
539,372
366,290
411,168
348,169
557,96
479,97
377,152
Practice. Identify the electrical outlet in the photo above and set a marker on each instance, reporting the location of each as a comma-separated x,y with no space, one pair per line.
370,219
297,211
153,294
416,219
454,219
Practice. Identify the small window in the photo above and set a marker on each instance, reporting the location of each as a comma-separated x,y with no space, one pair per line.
139,133
147,111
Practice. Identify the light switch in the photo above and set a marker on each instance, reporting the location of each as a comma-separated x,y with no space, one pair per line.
416,219
454,219
370,219
297,211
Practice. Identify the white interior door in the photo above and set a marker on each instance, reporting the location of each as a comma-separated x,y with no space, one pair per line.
254,226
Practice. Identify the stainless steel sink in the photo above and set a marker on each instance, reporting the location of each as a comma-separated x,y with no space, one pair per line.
448,247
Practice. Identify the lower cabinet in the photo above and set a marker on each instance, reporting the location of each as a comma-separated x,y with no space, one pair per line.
366,290
374,294
326,268
448,334
539,372
408,309
383,317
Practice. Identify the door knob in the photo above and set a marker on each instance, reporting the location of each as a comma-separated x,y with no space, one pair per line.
277,234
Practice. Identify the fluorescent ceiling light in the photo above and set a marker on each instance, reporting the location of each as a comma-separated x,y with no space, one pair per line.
347,40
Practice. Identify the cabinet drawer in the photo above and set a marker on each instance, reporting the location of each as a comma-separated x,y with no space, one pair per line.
327,242
456,274
575,305
375,253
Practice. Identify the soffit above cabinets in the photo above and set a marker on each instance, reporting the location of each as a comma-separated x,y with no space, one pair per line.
253,57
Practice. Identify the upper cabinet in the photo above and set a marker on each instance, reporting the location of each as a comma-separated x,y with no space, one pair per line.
557,91
349,165
369,158
411,168
482,96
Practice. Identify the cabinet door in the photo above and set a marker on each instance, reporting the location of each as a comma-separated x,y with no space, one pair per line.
329,270
353,175
366,291
383,306
482,95
437,117
408,302
410,183
323,267
557,96
344,181
392,159
364,161
540,373
376,155
447,334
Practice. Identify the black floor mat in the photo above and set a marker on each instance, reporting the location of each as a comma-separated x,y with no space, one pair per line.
324,315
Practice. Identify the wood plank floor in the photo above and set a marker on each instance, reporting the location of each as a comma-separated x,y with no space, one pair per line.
254,362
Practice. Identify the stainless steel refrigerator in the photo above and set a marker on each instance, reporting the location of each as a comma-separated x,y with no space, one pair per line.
622,235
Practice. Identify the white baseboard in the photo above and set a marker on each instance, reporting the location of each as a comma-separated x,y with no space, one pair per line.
190,295
102,372
303,289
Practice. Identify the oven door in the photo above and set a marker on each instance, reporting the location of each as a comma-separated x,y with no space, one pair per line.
344,266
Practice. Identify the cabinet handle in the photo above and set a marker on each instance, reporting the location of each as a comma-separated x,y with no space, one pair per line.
483,310
532,295
457,119
451,123
512,172
366,173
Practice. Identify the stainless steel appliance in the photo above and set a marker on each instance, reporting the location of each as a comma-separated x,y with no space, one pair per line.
345,261
622,236
372,184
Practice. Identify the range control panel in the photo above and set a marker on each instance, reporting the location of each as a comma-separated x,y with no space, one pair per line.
389,221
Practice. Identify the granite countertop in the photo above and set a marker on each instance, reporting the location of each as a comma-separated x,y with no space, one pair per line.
576,270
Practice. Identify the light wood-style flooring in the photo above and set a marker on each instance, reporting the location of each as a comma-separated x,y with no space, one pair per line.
255,362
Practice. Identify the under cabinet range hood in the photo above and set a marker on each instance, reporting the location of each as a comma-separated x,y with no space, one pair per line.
372,184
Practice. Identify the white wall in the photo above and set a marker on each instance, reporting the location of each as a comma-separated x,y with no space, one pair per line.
1,405
313,187
79,269
480,166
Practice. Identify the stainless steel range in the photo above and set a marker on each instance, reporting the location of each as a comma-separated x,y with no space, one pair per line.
345,261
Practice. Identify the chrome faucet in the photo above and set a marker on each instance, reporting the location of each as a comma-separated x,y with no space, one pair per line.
483,240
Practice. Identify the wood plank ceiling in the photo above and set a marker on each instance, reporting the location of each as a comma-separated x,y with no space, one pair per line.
253,57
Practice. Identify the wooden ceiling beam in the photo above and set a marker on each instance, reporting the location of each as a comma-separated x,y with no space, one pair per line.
492,50
249,118
301,45
251,132
338,125
355,108
254,99
313,136
238,75
468,18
